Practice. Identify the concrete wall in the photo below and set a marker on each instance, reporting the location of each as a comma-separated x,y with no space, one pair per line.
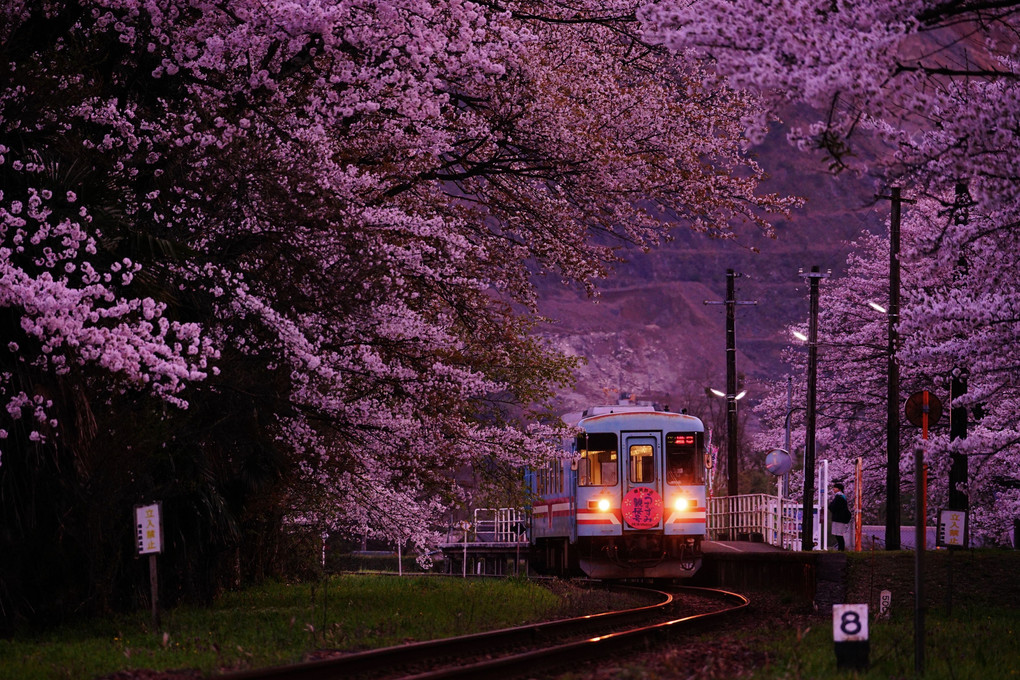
815,578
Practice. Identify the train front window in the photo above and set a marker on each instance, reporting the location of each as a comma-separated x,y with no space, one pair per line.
642,463
683,463
598,461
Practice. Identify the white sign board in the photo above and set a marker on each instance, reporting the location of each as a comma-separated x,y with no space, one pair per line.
849,622
148,529
952,529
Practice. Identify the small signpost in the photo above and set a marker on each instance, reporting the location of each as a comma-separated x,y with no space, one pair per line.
885,604
952,533
850,634
149,535
465,527
923,409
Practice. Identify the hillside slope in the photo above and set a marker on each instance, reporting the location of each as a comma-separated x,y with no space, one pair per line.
650,331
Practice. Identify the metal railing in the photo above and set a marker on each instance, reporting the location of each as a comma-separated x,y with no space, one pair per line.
749,517
500,525
756,517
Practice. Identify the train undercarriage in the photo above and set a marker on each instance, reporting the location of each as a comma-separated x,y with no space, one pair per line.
638,555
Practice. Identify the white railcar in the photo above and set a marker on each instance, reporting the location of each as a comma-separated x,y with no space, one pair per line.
628,502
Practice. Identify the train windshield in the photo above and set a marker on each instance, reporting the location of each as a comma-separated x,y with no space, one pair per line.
598,463
683,462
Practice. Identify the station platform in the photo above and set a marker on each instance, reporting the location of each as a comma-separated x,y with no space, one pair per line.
724,547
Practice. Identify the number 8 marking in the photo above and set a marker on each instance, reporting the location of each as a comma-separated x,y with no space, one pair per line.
850,623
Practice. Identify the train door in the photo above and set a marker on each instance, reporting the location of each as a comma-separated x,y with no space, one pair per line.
642,489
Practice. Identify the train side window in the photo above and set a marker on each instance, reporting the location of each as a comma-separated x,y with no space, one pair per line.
642,463
597,465
683,464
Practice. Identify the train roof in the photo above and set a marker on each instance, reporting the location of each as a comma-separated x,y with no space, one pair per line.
631,417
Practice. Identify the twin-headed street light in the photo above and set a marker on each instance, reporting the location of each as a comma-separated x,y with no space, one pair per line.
736,397
731,434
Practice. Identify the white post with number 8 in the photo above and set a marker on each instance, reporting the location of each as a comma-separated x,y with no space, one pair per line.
850,633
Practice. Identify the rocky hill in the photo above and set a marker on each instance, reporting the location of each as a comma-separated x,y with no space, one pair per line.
650,331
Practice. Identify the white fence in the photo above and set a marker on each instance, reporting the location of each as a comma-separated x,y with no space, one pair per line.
500,525
759,517
750,517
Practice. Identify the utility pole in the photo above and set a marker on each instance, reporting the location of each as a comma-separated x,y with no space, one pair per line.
807,522
784,487
958,381
957,430
892,470
893,509
731,379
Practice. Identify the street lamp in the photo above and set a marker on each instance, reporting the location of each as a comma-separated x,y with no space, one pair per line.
814,277
731,437
892,428
736,397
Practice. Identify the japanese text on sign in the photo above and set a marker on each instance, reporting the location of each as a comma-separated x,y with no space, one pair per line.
148,529
952,528
642,508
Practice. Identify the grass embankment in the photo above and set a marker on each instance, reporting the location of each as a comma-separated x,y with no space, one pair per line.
281,623
973,634
780,638
971,627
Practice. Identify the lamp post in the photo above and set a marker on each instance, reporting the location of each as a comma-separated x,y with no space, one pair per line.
892,470
814,277
790,408
892,427
731,303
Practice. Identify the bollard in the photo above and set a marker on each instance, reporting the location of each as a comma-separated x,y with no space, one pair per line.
850,634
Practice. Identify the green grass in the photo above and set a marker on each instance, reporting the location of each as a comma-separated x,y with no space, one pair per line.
971,629
958,648
279,623
978,636
781,637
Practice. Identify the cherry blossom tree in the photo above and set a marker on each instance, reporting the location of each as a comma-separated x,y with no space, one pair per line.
318,223
851,385
938,313
918,73
922,94
968,321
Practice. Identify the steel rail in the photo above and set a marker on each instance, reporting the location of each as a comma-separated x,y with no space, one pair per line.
569,655
393,662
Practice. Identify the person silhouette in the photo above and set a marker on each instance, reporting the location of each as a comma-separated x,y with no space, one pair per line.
839,511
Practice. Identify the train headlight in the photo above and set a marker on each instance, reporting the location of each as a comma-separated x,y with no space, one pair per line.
603,505
682,504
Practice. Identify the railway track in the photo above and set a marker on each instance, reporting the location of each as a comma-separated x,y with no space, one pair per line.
526,651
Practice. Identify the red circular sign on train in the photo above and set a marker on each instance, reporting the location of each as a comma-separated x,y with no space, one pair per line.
642,507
